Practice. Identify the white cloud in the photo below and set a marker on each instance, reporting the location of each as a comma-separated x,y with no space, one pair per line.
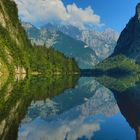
44,11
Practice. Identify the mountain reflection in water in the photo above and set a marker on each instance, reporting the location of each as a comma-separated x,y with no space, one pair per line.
65,108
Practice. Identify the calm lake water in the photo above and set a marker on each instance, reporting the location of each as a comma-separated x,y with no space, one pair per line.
69,108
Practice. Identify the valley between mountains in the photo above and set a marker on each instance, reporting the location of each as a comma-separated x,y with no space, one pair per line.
59,48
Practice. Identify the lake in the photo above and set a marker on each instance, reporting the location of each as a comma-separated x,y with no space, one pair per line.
70,108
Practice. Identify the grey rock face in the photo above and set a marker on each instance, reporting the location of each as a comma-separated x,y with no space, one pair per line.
88,46
138,11
129,41
103,43
69,30
85,56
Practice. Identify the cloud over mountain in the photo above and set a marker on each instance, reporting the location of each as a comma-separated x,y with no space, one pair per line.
40,12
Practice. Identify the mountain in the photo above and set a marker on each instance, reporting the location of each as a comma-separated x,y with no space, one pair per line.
103,43
13,39
18,56
129,41
85,56
69,30
87,46
127,52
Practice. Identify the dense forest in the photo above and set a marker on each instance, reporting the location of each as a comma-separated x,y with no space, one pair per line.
17,55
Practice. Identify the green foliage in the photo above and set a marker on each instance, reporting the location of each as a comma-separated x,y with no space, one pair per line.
11,54
16,50
119,61
31,89
16,96
48,61
119,84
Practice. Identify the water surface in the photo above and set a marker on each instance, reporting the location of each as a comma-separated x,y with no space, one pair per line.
69,108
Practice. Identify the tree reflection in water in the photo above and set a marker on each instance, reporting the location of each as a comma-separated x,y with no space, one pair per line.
15,97
127,94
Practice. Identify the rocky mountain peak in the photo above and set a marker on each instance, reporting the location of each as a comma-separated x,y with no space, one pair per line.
27,25
129,40
138,10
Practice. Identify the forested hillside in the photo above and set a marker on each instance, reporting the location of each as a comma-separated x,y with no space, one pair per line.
17,55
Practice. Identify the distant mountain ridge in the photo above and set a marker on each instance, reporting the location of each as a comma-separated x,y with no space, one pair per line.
103,43
70,30
85,56
88,47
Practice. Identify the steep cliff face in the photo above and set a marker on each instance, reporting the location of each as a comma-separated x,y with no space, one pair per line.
127,51
129,41
13,39
17,53
10,21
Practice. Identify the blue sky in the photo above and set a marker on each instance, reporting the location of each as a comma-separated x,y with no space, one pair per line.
114,13
111,13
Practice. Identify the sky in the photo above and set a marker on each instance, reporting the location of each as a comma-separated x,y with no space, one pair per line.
101,13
